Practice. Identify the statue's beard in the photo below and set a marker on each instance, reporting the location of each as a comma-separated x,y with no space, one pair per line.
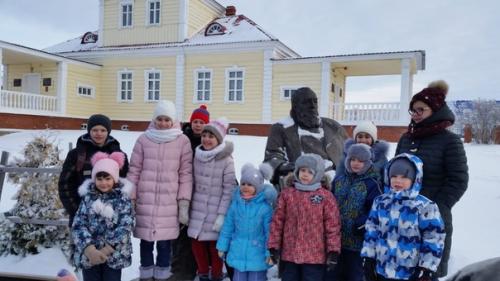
306,119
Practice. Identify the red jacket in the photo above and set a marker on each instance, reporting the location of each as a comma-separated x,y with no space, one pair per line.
305,226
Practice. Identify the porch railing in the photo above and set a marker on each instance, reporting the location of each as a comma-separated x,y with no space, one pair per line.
26,102
380,113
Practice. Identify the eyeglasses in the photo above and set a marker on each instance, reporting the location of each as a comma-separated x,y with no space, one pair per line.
418,110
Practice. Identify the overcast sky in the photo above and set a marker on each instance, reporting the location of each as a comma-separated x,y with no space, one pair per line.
461,37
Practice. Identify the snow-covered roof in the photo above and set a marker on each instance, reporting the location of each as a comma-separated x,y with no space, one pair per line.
73,45
237,28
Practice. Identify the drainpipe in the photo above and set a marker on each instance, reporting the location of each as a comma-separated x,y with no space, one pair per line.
62,77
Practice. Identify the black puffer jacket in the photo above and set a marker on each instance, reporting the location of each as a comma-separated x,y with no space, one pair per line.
445,170
194,139
74,173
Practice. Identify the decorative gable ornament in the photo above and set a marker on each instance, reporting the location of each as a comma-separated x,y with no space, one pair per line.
215,29
89,37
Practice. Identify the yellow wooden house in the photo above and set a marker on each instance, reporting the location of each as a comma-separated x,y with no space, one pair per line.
191,52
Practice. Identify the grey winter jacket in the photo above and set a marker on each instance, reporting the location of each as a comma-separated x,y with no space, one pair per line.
215,181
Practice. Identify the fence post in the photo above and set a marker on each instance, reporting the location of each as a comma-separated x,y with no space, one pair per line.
3,162
496,135
468,133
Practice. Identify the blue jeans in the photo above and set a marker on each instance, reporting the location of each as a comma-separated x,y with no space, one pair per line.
302,272
249,275
162,253
102,272
349,267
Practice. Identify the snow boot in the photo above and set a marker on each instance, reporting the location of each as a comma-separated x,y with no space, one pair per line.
161,273
146,273
203,277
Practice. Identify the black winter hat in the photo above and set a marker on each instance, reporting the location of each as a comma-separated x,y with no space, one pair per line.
99,119
403,167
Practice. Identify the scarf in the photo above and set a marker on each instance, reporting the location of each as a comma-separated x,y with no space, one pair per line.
162,136
416,131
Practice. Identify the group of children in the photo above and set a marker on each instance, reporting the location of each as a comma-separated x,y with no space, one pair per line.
372,224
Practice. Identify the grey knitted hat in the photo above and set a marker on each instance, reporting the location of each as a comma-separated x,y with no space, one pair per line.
403,167
314,163
254,176
363,153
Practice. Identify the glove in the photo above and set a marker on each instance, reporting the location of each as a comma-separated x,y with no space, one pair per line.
95,256
183,211
331,261
107,250
369,267
286,168
219,221
274,256
222,255
423,274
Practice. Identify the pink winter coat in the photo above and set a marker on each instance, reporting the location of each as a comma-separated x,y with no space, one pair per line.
162,174
214,180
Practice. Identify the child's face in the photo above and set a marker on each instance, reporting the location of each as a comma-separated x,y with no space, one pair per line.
208,140
99,134
399,183
163,122
356,165
305,175
247,189
105,184
197,125
364,138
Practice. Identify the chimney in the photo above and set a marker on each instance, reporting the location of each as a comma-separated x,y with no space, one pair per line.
230,11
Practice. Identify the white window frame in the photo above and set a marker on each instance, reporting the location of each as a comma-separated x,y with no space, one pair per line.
147,90
86,87
228,81
148,12
288,88
121,14
119,86
196,89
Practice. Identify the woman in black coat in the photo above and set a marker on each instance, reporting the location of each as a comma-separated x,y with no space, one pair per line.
77,166
442,152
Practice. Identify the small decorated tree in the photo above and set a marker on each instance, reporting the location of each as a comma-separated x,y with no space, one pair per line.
37,198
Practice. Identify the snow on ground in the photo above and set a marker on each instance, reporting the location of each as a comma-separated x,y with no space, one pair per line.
476,216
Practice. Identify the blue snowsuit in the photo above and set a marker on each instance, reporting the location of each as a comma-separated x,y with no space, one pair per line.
404,229
245,232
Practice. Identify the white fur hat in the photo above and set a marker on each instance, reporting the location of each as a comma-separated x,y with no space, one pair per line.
366,127
165,108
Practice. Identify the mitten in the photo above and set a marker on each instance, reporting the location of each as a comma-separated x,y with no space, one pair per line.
286,168
95,256
424,274
183,211
219,221
107,250
331,261
369,267
274,255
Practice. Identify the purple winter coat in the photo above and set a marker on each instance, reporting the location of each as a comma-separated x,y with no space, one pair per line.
162,173
215,181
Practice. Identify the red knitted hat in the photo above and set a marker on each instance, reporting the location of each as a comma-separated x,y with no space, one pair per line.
200,113
434,95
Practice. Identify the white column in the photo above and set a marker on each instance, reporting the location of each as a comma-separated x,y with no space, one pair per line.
62,78
100,32
3,72
267,85
179,86
406,90
182,32
325,89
